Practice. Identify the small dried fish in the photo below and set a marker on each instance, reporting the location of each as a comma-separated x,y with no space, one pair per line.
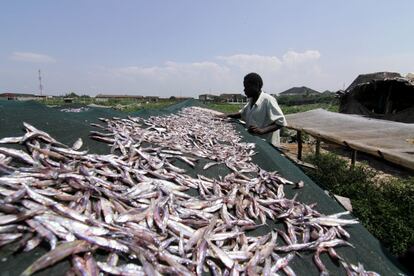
59,253
139,202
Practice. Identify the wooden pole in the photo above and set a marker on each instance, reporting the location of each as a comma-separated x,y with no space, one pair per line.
318,147
353,159
299,139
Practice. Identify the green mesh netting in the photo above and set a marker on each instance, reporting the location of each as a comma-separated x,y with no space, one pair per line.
68,127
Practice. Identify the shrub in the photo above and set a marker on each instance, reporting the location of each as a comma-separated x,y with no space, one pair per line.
386,208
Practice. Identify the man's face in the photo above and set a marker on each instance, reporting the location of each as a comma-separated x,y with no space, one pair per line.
251,89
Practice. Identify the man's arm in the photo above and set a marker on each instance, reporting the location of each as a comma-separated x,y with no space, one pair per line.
276,116
234,115
231,115
270,128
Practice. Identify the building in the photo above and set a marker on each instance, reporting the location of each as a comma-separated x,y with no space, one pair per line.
208,98
174,98
20,96
299,91
233,98
151,99
68,99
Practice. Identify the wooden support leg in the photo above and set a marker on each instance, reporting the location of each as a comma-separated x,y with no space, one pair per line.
353,159
318,147
299,139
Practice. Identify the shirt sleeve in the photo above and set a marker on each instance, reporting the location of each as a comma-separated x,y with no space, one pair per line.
275,113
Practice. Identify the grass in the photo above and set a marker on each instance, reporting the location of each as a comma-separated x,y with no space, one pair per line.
385,207
287,109
122,105
132,105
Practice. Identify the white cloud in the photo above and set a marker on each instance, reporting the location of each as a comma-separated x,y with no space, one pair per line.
178,76
257,63
172,69
293,69
223,74
293,58
172,78
32,57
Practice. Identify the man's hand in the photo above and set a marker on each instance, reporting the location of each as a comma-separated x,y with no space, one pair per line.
222,116
256,130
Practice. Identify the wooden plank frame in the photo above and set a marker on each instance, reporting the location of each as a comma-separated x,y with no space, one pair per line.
354,146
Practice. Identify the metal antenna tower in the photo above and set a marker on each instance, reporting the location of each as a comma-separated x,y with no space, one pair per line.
40,83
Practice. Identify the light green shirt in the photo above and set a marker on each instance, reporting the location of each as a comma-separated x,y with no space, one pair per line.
264,112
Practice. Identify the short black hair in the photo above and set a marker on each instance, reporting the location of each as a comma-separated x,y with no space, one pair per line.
254,78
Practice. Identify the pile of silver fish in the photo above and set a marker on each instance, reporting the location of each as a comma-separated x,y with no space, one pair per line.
137,211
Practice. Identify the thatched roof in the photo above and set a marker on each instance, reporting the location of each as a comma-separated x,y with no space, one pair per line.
366,78
384,95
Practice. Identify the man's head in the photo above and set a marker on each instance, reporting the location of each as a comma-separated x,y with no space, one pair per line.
253,84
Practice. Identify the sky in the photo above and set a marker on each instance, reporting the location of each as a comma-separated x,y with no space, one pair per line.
192,47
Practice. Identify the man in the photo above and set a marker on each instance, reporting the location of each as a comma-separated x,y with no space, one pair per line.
262,114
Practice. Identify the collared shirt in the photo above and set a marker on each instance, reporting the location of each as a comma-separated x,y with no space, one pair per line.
264,112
